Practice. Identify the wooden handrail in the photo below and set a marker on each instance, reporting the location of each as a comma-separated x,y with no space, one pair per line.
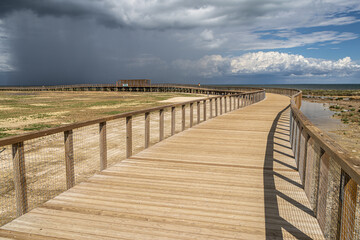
349,164
329,174
46,132
18,142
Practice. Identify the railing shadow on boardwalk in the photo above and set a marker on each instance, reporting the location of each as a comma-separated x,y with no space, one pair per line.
274,223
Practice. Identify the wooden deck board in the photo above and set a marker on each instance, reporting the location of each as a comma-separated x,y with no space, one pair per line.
227,178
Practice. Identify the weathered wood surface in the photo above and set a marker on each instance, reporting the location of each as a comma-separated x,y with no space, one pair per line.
232,177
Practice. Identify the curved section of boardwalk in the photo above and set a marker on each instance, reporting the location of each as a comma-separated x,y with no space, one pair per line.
232,177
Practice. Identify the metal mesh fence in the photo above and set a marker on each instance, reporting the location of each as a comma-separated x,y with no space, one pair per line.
167,122
154,127
178,117
302,156
86,152
208,107
348,200
43,164
44,168
322,193
138,133
195,116
357,215
333,195
7,190
201,111
312,172
332,199
116,141
187,116
296,136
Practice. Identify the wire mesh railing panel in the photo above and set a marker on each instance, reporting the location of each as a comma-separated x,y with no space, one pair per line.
296,145
86,152
116,141
44,168
312,172
167,122
332,202
187,116
7,190
348,199
178,119
302,157
138,133
154,127
201,111
322,192
208,107
195,116
357,215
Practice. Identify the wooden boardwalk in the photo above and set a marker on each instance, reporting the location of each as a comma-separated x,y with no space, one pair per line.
232,177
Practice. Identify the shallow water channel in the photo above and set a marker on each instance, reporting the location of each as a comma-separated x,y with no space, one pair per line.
321,116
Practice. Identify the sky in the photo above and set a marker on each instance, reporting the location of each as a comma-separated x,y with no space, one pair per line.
55,42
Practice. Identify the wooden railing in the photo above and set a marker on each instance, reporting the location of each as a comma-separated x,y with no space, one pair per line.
330,175
32,155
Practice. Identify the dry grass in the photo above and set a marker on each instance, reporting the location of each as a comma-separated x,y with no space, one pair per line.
29,111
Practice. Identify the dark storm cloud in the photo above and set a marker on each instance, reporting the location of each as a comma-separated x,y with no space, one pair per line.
62,42
73,9
184,14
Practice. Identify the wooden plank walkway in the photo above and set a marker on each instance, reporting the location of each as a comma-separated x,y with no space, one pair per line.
232,177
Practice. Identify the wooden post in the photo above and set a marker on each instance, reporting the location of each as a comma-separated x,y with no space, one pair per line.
128,136
216,107
69,159
198,112
19,178
225,98
230,98
298,148
161,124
103,146
183,117
191,114
173,121
147,129
204,110
221,105
211,108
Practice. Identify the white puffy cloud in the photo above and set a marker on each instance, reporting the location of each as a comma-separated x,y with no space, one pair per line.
267,63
